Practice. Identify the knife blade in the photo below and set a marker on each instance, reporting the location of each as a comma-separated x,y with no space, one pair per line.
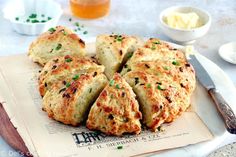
222,106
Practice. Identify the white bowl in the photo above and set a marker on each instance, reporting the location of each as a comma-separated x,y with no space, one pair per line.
228,52
185,36
23,8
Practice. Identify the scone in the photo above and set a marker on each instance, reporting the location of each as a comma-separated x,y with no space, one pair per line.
113,51
58,41
154,49
70,103
64,69
181,71
161,98
116,111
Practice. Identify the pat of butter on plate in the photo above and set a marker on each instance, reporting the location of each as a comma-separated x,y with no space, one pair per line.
183,20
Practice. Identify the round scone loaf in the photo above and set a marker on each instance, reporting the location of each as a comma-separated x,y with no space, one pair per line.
64,69
116,111
70,103
58,41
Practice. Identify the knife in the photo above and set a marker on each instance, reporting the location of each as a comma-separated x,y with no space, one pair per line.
223,108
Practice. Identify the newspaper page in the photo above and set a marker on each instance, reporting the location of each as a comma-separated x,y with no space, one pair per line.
49,138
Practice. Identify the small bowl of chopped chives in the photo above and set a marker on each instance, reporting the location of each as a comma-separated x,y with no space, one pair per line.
32,17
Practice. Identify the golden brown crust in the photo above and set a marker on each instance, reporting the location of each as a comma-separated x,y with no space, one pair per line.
70,104
116,110
161,98
114,50
63,69
58,41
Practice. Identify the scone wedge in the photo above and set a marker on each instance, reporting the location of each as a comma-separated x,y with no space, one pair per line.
70,103
57,41
64,69
113,51
116,111
161,99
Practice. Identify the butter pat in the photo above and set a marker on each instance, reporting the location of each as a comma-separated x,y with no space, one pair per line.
183,20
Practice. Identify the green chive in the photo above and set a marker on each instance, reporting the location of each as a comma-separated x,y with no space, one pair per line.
67,84
34,21
156,42
166,68
119,147
51,30
117,86
159,87
58,47
90,90
43,21
130,55
78,29
148,85
42,15
153,47
28,20
175,63
32,16
111,83
76,77
49,18
64,32
85,32
77,24
70,19
17,18
68,59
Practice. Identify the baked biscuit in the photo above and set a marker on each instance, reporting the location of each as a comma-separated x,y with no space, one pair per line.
154,49
116,111
113,51
70,103
64,69
181,71
58,41
161,98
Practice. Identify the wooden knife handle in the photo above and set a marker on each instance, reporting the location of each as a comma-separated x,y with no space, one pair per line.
225,110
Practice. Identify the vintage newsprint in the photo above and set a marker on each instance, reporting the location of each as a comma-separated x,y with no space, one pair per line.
47,138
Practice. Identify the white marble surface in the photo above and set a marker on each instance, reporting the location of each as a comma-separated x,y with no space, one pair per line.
139,17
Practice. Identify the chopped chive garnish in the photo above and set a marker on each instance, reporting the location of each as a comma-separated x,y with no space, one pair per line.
90,90
119,147
49,18
43,21
28,20
153,47
166,67
111,83
58,46
77,24
64,32
118,86
33,16
156,42
34,21
159,87
68,59
42,15
175,63
67,84
70,19
119,38
148,85
51,30
85,32
17,18
76,77
130,55
75,30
